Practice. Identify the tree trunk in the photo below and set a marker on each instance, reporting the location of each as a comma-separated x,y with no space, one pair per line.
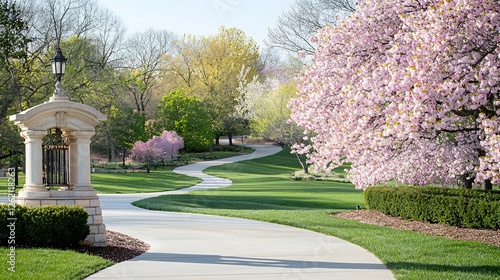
467,181
112,152
124,156
217,138
230,138
487,185
303,163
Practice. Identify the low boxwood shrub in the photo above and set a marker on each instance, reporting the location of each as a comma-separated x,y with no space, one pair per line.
44,226
456,207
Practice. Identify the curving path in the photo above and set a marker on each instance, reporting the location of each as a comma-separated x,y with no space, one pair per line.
195,247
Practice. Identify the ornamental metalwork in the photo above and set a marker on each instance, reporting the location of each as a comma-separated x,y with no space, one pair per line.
55,158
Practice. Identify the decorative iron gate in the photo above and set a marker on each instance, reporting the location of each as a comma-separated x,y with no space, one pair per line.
55,158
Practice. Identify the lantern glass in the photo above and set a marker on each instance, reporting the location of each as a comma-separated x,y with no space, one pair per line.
58,64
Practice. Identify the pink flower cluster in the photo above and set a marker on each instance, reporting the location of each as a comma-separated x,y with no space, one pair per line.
406,90
159,148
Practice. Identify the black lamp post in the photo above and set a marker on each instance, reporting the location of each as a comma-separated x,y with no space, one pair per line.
58,64
58,69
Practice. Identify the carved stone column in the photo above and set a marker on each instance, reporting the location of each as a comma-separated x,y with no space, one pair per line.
34,186
73,158
81,161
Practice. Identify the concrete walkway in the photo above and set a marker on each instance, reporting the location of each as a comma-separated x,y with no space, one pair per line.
195,247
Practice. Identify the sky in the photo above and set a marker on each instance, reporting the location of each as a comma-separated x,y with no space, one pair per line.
200,17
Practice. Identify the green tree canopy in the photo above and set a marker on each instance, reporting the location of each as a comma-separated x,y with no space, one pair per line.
12,53
188,117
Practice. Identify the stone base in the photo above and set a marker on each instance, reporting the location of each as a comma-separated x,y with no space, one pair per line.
97,236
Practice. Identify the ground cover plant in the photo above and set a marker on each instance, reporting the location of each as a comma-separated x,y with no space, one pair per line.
262,190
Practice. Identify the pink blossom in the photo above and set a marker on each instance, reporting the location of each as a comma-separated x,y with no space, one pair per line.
159,148
406,90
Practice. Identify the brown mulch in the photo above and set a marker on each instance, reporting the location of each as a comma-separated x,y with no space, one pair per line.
469,234
120,248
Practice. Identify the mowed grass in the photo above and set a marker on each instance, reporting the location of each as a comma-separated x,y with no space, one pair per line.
50,264
159,180
262,190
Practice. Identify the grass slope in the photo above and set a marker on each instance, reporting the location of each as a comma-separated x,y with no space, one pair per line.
262,190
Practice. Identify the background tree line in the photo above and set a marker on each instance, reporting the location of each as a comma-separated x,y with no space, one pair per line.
145,82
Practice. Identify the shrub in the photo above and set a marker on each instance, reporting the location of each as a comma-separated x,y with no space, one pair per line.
332,177
51,225
455,207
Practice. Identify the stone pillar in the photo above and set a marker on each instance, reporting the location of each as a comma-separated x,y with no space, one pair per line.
73,158
83,159
34,186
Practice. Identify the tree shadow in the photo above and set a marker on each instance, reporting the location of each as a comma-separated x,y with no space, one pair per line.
253,262
234,202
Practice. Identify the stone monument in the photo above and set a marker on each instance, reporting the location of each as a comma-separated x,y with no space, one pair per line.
57,142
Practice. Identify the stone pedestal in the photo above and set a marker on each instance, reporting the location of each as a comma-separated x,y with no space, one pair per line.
77,122
97,236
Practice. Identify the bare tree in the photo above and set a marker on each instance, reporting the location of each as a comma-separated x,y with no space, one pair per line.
145,53
295,28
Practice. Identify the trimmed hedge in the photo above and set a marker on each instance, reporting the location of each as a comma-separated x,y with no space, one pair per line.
455,207
51,225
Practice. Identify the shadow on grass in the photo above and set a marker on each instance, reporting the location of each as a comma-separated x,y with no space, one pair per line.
244,202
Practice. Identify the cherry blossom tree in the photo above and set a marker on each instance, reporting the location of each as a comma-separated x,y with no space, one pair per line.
406,90
159,148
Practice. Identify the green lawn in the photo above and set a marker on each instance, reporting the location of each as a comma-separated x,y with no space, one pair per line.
157,181
50,264
262,190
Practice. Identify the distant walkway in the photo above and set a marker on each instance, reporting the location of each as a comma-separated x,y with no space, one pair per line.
192,246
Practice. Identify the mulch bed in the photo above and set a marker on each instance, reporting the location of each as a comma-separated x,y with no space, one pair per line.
120,248
469,234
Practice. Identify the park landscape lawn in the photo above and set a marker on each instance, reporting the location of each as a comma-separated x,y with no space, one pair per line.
159,180
50,264
262,190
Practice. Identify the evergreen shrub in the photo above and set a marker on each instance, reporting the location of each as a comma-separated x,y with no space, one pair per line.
44,226
470,208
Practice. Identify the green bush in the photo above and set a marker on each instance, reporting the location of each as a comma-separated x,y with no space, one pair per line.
332,177
51,225
455,207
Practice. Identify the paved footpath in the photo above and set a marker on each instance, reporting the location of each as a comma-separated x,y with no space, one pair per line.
203,247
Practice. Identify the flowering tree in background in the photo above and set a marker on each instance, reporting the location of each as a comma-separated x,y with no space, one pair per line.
160,148
264,105
406,90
